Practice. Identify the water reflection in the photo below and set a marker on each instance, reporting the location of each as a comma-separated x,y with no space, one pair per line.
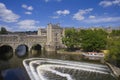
21,50
6,52
16,62
14,74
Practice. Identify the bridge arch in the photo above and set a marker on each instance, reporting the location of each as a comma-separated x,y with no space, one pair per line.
6,52
35,49
21,50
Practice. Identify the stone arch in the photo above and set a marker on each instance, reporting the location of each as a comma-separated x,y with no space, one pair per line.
22,50
36,49
6,52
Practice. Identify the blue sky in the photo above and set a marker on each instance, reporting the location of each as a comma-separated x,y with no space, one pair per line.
25,15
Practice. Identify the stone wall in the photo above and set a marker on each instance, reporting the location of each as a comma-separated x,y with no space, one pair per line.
16,40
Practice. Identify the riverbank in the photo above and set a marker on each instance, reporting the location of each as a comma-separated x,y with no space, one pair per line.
78,56
68,52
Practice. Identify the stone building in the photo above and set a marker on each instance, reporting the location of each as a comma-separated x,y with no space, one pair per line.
54,35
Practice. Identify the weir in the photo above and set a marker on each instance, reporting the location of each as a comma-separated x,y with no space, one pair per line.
53,69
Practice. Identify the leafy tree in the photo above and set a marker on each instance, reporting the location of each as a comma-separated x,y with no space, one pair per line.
115,33
3,30
93,40
89,40
71,39
114,48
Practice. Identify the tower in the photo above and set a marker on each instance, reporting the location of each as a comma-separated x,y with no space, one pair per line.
49,34
54,36
50,44
39,33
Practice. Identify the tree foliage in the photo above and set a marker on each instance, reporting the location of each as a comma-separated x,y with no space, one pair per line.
89,40
94,40
114,48
115,33
71,38
3,30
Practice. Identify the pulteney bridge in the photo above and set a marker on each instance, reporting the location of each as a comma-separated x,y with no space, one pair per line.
49,38
28,40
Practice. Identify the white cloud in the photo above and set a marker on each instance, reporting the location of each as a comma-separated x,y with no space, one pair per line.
80,14
52,0
91,17
103,20
60,13
7,15
47,1
116,2
55,17
27,7
64,12
28,24
24,6
107,3
30,8
28,13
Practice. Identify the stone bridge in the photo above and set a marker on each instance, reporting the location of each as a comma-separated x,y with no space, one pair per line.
29,40
49,38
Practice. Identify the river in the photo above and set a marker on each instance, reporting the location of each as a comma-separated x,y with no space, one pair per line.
15,63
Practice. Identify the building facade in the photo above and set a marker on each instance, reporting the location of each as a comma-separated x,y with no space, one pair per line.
54,34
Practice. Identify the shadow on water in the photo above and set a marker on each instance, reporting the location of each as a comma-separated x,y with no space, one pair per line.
6,52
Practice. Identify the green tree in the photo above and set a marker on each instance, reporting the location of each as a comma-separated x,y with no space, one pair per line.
3,30
115,33
71,38
114,48
93,40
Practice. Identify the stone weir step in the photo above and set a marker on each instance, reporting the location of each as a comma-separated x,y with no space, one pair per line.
53,69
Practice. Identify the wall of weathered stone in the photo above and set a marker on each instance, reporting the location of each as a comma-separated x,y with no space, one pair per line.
28,40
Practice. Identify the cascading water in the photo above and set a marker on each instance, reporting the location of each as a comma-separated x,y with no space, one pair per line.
52,69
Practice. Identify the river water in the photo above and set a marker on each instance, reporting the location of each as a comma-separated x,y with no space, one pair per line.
15,64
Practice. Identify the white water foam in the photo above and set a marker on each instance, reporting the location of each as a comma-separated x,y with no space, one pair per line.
44,64
43,68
